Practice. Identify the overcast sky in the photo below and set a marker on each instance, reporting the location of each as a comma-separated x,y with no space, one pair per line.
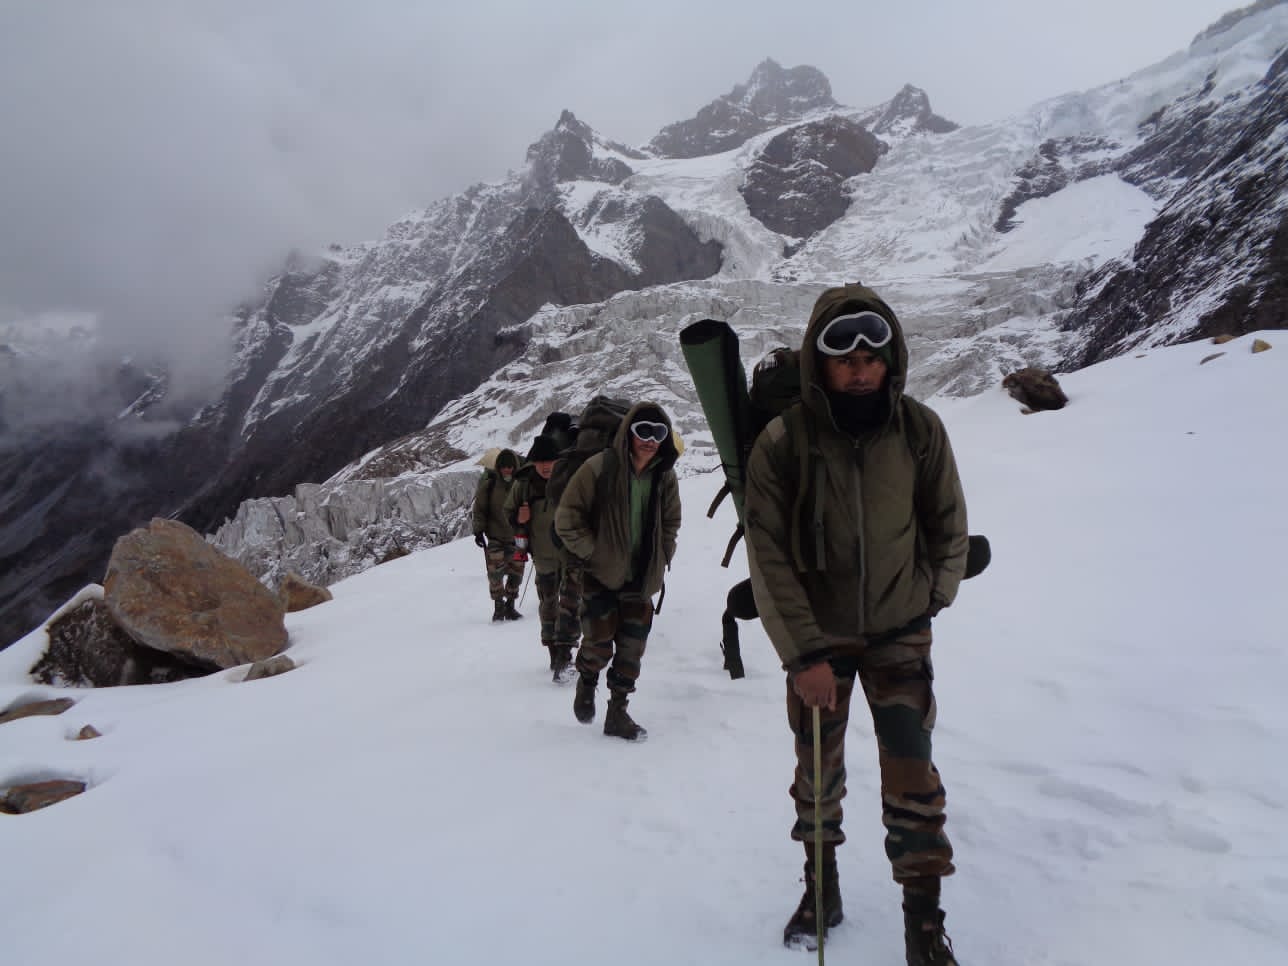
158,156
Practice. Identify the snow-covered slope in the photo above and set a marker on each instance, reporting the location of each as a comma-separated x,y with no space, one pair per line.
1110,719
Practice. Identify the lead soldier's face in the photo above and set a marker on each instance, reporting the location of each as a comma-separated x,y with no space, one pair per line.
858,373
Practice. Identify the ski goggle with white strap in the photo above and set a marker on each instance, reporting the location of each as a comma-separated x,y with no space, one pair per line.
844,333
649,432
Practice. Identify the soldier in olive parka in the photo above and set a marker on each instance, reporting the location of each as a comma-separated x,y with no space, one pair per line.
529,510
495,534
620,516
856,538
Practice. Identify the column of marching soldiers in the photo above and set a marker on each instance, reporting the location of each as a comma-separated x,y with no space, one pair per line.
594,504
854,517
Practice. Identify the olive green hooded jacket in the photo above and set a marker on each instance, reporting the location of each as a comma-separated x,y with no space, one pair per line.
489,501
601,535
890,525
530,488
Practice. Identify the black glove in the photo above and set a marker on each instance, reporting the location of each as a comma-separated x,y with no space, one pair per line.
480,540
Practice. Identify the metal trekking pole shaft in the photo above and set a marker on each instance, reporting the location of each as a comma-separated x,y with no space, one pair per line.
526,581
818,830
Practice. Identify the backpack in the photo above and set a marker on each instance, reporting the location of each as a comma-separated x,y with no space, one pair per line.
591,433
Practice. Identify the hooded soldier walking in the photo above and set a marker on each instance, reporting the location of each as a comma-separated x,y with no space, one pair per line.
620,516
530,511
494,533
856,537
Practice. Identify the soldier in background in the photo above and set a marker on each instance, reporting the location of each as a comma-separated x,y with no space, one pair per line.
494,533
620,516
530,512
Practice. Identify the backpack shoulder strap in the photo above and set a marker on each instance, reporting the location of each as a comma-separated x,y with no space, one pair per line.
807,536
916,433
603,482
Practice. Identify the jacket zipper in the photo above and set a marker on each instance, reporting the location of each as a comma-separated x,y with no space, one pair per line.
863,569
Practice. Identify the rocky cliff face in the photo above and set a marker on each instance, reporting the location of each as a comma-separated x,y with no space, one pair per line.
796,184
1215,260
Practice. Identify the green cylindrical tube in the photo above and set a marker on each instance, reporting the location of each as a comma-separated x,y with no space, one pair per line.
710,349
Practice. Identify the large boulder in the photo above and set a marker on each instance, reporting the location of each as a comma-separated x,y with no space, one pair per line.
172,591
1036,388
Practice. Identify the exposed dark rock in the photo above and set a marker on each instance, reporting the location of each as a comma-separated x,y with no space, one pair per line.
21,799
53,706
1057,165
1036,388
88,733
1230,223
796,185
669,249
772,96
566,153
88,649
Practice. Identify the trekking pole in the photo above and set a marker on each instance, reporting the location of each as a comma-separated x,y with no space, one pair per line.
526,581
818,831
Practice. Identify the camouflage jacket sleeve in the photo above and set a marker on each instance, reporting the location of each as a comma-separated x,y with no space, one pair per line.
781,599
941,510
481,493
670,513
573,518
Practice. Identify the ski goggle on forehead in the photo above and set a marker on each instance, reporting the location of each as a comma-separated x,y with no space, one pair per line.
845,333
648,432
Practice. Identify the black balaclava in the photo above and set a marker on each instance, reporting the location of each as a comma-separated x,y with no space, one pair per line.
856,415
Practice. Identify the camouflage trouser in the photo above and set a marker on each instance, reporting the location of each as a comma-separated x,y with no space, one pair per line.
504,573
547,604
897,681
614,628
568,623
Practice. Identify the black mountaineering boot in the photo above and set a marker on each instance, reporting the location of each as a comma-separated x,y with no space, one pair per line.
510,613
618,724
498,610
924,939
801,931
583,702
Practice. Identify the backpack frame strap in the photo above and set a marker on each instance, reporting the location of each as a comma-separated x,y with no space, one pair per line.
809,492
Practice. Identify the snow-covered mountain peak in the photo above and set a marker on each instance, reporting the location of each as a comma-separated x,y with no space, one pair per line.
909,112
772,96
783,94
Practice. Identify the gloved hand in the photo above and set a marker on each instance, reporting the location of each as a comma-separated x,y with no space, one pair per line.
480,540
